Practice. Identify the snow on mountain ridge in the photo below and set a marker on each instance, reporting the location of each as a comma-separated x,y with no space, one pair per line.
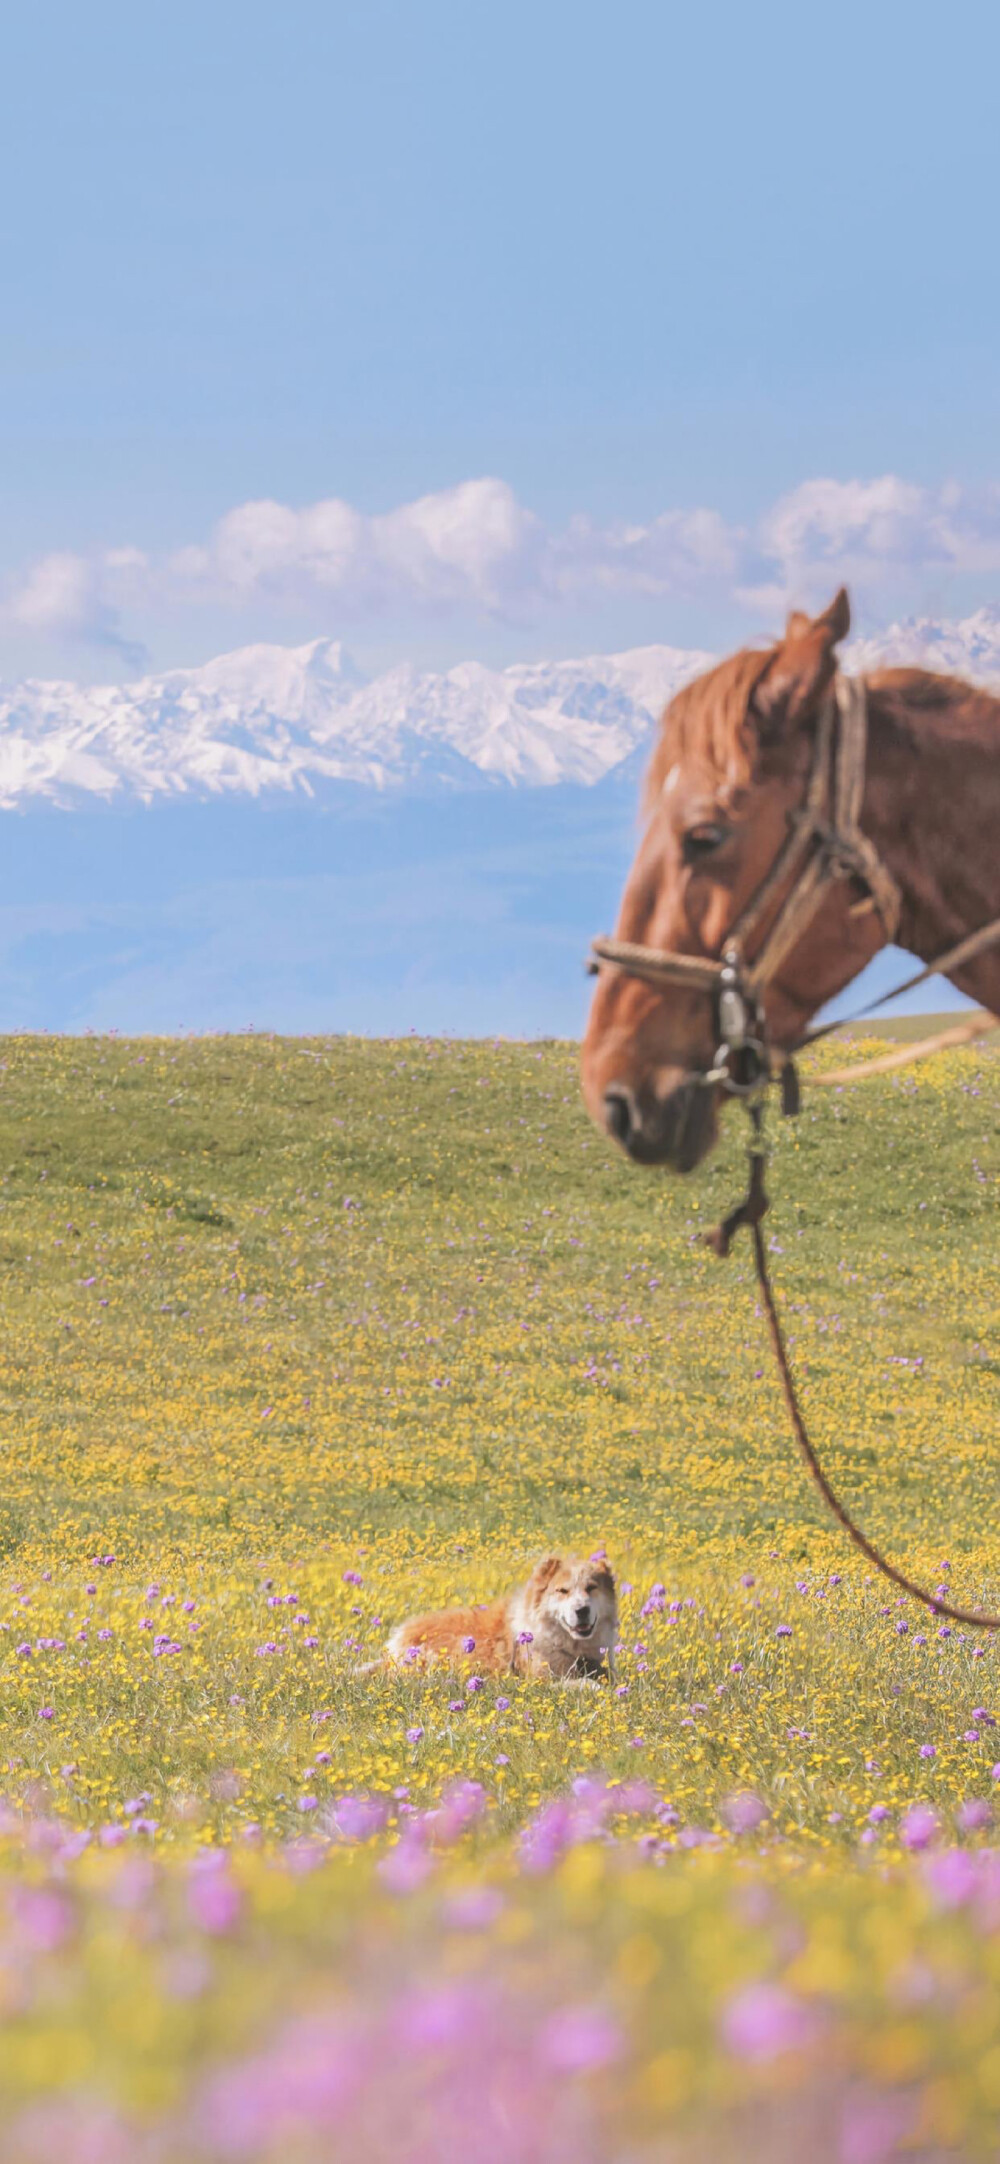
286,719
292,718
970,648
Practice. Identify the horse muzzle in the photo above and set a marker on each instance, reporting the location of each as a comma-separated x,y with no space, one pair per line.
677,1130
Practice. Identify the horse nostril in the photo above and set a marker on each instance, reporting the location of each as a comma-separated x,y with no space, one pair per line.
620,1114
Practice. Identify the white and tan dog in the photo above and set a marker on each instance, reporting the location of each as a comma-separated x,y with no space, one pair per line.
562,1623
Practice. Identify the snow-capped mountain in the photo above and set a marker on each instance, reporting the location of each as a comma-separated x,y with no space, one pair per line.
969,648
295,718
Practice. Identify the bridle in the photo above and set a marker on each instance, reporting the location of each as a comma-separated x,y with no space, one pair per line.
824,844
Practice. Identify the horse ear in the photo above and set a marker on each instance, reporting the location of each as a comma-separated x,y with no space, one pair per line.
802,667
838,616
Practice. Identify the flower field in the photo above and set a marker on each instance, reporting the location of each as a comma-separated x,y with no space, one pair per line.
301,1336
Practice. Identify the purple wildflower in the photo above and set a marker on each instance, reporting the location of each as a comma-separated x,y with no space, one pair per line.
359,1817
743,1813
404,1868
545,1836
214,1899
461,1805
974,1814
764,2020
920,1827
44,1918
475,1908
952,1877
577,2038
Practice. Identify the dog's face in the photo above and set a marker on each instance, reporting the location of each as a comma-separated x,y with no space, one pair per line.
578,1596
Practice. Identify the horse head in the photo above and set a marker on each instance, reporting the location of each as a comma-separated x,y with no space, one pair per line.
729,772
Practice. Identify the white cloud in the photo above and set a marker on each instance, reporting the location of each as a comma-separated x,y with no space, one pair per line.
470,546
681,552
476,549
876,532
74,597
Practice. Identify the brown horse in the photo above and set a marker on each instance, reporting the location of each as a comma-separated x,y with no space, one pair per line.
730,769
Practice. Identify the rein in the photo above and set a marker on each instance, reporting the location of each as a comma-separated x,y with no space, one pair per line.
751,1212
825,843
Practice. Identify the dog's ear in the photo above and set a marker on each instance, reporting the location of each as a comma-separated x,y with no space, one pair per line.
605,1578
544,1572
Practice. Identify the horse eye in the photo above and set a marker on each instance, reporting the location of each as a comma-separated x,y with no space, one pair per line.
701,841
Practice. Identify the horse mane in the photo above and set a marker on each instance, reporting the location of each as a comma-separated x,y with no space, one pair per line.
707,720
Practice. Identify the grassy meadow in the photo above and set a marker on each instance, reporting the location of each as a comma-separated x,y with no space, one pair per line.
299,1336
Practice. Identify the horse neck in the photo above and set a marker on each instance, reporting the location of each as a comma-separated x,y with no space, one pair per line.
932,809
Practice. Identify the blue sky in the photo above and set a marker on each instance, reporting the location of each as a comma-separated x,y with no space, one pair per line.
634,263
460,331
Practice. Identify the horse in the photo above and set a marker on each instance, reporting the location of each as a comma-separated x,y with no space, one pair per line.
733,776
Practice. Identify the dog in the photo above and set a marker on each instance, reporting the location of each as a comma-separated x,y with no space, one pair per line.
562,1623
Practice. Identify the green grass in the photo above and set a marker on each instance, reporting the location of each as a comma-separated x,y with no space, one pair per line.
273,1309
906,1028
363,1326
330,1228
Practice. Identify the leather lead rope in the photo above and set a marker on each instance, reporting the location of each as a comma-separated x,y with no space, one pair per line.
751,1212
